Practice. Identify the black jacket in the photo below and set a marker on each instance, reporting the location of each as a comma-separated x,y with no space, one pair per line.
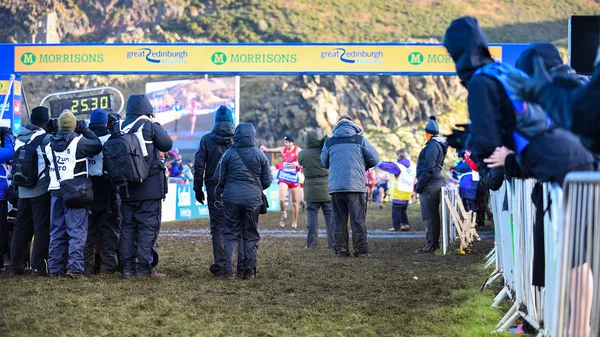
102,187
238,185
155,187
430,163
211,149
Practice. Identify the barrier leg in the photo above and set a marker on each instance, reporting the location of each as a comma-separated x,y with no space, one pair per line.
511,316
500,297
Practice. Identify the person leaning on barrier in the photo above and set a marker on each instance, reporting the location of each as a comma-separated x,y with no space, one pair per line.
33,207
211,149
315,189
141,204
430,182
68,154
104,219
243,173
7,149
347,155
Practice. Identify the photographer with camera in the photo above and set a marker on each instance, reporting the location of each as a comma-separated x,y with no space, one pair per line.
71,191
30,175
104,218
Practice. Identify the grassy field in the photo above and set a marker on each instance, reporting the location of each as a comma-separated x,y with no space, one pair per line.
297,292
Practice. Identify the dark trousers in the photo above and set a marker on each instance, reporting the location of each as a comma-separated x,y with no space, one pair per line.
104,224
349,205
4,245
313,223
241,224
399,216
139,231
469,205
483,197
217,226
430,212
68,233
33,219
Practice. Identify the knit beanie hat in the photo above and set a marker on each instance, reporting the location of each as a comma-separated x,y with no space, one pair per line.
432,126
66,121
39,116
99,116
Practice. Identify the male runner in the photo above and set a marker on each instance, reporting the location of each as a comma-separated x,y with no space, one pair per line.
288,177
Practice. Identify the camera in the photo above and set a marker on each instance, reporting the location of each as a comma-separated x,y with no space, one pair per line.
52,126
458,138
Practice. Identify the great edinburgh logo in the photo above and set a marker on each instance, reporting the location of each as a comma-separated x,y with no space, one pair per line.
28,58
218,58
415,58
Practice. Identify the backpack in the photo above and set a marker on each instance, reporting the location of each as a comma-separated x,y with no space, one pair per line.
125,156
25,163
531,118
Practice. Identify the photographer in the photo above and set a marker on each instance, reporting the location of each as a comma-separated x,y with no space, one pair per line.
6,152
68,153
33,207
104,221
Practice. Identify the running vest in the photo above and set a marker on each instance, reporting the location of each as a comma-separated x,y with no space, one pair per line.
95,164
289,173
68,166
41,162
404,185
531,118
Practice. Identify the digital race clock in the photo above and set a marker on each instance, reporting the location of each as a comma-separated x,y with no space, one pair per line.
82,105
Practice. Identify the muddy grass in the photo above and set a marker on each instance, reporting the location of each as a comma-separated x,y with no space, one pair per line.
298,292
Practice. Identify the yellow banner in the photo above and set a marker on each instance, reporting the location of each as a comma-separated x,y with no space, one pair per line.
4,87
236,58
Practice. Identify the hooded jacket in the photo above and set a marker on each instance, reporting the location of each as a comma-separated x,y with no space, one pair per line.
430,163
237,183
88,146
43,182
103,191
157,139
211,149
315,174
348,155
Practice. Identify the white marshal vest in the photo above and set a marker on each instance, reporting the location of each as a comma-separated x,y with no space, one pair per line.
41,162
404,185
95,164
66,161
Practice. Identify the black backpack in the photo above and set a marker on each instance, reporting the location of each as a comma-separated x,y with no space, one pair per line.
25,163
124,159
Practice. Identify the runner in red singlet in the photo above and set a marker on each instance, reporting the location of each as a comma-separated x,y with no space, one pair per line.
288,177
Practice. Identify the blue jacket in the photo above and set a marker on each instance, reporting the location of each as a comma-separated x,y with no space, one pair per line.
348,155
6,154
467,187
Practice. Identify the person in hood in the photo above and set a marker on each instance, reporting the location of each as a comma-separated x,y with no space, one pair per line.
141,208
315,189
430,182
347,155
104,218
7,149
242,174
405,173
68,154
210,151
33,207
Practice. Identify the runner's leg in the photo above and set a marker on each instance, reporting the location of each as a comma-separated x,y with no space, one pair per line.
294,193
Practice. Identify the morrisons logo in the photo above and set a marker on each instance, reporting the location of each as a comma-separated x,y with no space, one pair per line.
416,58
28,59
218,58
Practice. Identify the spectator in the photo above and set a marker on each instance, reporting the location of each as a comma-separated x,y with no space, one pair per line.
348,155
141,208
7,150
33,207
68,154
187,173
405,174
430,182
210,151
468,185
243,174
315,188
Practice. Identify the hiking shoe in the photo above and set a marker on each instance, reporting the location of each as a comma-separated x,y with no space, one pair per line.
38,273
425,250
55,276
229,277
75,275
129,276
248,276
156,274
361,255
405,228
392,229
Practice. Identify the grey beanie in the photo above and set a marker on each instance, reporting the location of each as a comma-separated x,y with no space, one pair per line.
432,126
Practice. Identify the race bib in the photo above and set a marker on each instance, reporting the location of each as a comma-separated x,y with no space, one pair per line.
288,177
289,167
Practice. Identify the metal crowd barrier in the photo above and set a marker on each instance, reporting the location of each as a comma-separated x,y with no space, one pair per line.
448,228
568,304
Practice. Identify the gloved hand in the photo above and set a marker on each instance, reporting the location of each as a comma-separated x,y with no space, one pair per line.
199,196
529,89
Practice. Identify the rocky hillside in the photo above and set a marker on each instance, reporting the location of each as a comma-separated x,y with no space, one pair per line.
384,105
